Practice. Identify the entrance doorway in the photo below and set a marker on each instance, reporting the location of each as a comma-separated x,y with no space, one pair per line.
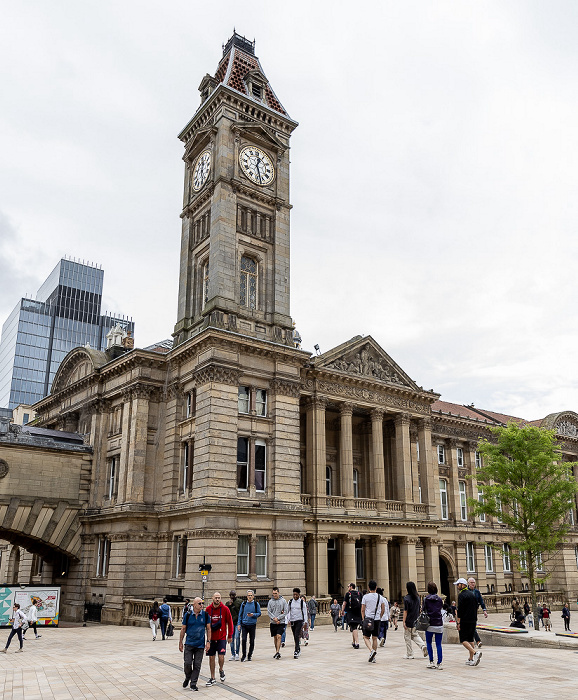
333,583
445,579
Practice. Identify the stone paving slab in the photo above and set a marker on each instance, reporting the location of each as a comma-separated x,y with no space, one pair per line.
119,663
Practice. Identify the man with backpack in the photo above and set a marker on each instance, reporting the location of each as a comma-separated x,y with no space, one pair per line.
352,607
248,613
297,617
234,605
221,622
165,618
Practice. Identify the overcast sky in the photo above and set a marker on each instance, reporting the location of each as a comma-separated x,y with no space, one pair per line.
434,178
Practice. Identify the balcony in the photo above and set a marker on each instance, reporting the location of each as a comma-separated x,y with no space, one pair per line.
393,509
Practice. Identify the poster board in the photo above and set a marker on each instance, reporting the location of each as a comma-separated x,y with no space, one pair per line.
46,597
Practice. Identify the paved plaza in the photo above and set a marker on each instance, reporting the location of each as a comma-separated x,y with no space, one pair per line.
123,662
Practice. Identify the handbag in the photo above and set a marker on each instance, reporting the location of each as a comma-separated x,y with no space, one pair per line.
422,621
170,630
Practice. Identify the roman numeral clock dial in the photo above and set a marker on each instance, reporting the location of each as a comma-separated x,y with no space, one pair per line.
257,165
201,170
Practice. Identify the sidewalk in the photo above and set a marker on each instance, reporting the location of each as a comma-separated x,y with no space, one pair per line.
123,662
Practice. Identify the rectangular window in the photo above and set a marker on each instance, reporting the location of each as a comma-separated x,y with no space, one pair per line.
102,556
260,465
187,481
463,501
191,403
112,478
506,558
444,498
243,555
355,483
571,519
523,561
180,556
482,517
242,463
470,557
478,460
441,454
499,505
244,399
359,564
539,562
460,456
261,556
261,402
489,556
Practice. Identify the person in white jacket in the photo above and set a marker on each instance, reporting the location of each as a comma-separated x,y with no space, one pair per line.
32,618
297,617
18,619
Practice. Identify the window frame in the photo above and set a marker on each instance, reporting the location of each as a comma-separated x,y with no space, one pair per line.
249,276
444,499
263,470
243,400
243,465
328,480
489,557
102,556
356,483
470,558
482,516
261,404
112,483
261,559
478,459
507,558
463,500
441,451
460,457
240,555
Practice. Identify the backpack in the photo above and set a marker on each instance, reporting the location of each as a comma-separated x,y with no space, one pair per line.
355,601
302,606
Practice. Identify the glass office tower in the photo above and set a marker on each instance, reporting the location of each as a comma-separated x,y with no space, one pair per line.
39,333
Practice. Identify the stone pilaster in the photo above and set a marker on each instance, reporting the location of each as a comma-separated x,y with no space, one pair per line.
378,472
403,459
382,555
408,561
346,453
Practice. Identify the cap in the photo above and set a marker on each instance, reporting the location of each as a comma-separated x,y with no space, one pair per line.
461,580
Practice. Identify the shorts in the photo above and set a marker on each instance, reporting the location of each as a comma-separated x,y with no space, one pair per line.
217,645
466,631
374,632
354,622
277,628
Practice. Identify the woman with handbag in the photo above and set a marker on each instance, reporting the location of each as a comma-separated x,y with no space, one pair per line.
411,609
335,612
154,618
432,607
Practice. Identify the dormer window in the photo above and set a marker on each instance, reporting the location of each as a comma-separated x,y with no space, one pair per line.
256,82
257,91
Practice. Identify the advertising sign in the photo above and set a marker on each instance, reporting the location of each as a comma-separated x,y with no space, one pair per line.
47,601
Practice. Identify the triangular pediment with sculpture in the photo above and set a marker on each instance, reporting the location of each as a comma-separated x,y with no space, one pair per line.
363,357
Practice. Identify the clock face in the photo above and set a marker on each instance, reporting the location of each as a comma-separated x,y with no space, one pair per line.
201,170
257,165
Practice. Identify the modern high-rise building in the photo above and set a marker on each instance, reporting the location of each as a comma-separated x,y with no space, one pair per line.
40,332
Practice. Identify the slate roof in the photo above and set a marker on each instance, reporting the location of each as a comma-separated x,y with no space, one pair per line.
479,414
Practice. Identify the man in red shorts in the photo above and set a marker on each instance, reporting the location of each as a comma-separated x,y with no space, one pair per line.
221,622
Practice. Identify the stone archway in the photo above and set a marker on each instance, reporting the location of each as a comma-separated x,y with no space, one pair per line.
447,576
13,572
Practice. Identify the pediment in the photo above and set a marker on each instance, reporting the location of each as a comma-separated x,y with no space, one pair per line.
259,132
564,423
79,363
363,357
199,141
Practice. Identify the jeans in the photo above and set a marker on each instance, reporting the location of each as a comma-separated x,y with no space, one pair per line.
32,626
283,635
312,620
344,621
164,623
383,629
566,624
410,634
193,661
235,641
15,632
476,637
428,640
296,626
335,618
248,630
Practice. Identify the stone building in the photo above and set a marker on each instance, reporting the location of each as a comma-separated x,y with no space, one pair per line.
236,446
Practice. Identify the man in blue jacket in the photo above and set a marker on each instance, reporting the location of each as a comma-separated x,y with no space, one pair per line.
196,624
249,612
481,604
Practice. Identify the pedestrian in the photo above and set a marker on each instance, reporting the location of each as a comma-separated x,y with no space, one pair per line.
296,617
547,618
32,617
221,623
154,617
526,608
538,616
277,610
530,619
335,609
18,619
234,605
305,628
466,619
372,609
248,614
453,610
384,623
411,608
196,624
566,617
352,608
165,618
481,603
394,614
312,610
433,605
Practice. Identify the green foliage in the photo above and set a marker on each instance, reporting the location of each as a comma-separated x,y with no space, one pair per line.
523,470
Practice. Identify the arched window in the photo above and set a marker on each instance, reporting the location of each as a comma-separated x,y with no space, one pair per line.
248,283
328,475
355,483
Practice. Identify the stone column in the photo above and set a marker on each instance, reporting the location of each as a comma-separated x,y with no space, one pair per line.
137,450
316,454
377,452
413,450
431,553
349,568
403,459
253,557
428,468
321,577
382,554
346,453
408,560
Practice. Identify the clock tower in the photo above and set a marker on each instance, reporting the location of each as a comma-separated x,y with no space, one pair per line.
234,271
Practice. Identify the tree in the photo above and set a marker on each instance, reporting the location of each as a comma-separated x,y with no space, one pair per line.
527,485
